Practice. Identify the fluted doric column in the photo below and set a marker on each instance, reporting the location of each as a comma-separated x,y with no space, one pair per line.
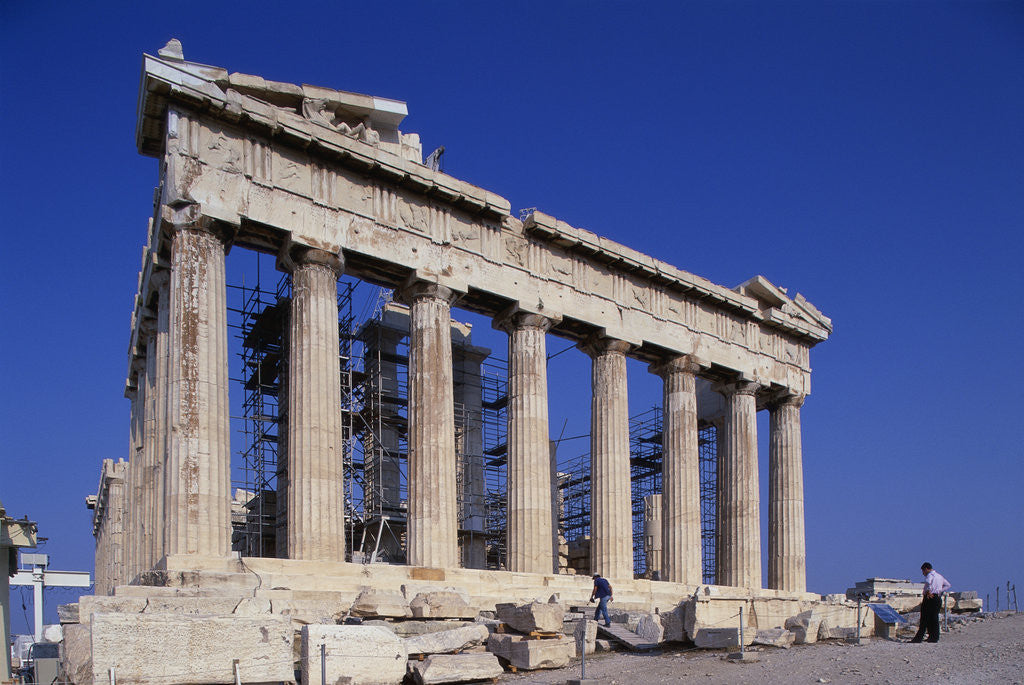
787,556
316,513
432,537
161,388
149,451
529,461
680,472
132,508
197,502
740,544
611,520
468,392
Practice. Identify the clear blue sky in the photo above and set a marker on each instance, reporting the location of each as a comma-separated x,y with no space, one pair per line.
869,155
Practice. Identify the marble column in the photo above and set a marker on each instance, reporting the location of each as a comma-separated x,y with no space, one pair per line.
611,511
197,500
149,451
432,536
161,387
787,557
740,546
316,512
131,490
529,525
680,473
469,446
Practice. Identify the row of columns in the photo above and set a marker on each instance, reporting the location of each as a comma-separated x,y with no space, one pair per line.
180,427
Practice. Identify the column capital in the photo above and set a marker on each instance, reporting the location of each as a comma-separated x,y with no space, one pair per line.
513,318
787,398
740,387
598,345
416,289
293,256
685,363
189,217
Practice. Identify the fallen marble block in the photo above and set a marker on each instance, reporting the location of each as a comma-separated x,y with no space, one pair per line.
448,640
455,668
805,627
774,637
364,654
722,638
650,629
371,602
441,604
543,616
532,654
183,649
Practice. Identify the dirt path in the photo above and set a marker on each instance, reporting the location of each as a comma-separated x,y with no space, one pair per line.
987,651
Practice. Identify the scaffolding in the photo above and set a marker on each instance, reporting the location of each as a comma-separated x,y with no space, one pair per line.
645,457
374,358
260,323
707,445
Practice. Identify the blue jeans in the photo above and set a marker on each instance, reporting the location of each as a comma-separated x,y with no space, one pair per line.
602,608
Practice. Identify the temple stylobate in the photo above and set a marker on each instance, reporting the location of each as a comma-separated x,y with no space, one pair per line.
326,182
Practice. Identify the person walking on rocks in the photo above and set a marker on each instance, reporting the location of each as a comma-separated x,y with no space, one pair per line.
603,593
931,603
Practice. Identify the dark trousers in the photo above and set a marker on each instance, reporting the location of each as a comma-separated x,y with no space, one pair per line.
602,608
930,608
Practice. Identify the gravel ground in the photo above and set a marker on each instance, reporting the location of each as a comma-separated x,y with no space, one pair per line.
985,650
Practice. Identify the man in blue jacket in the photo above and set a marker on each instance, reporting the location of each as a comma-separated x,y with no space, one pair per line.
603,593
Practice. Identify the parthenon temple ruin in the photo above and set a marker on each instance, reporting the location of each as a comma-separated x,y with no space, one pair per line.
393,452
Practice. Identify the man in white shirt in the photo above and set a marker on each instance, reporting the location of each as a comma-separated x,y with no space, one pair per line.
931,603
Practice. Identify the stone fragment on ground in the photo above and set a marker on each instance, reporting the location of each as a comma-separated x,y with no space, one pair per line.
455,668
722,638
380,603
414,628
585,632
774,637
365,654
532,654
542,616
673,623
805,627
602,645
650,629
447,641
441,604
179,648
